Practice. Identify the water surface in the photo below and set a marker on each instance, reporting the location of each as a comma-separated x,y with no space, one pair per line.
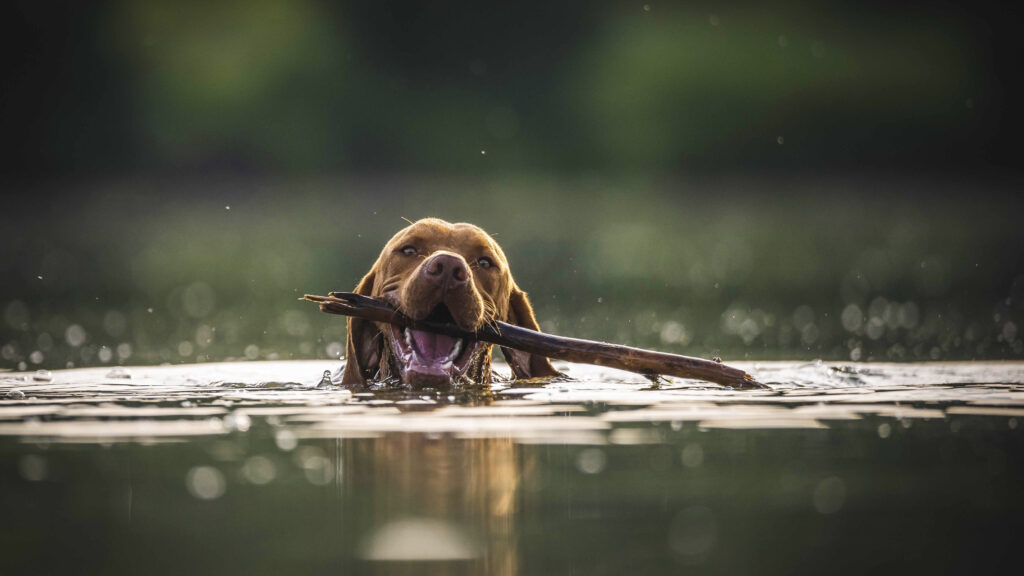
266,467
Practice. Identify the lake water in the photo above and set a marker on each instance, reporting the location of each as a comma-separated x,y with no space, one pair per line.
267,468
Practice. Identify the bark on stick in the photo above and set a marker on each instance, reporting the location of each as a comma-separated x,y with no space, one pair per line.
647,362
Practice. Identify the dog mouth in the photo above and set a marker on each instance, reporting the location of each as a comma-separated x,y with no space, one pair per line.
429,359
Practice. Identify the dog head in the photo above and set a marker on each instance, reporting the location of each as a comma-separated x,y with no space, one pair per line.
436,270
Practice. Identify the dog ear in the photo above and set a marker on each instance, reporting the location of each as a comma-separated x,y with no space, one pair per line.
362,343
525,365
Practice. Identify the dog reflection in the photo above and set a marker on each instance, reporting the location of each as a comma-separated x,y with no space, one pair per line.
448,500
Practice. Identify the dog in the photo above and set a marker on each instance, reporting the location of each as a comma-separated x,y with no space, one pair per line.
439,271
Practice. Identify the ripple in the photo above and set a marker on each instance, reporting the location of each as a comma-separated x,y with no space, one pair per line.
599,407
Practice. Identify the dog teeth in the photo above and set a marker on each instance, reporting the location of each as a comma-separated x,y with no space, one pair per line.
408,337
457,349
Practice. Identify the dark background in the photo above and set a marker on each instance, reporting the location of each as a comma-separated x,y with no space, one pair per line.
792,180
105,88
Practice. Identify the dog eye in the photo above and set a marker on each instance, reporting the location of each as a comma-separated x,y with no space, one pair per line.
409,250
484,262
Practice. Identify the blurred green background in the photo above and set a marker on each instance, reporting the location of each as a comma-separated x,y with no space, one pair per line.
755,181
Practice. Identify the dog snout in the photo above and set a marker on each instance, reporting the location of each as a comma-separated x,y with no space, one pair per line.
447,270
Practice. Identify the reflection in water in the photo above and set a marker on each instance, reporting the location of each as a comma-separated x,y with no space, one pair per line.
436,497
253,468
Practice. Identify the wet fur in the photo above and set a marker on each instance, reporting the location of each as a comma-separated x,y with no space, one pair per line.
490,295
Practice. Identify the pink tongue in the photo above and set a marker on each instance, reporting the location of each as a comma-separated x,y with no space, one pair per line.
431,346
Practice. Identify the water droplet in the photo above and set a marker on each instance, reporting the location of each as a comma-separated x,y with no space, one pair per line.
852,317
286,440
75,335
259,470
335,350
119,372
315,465
591,460
875,328
884,430
205,483
252,352
325,380
673,332
238,421
15,394
42,376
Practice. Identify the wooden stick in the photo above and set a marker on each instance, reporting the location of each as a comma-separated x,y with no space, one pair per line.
646,362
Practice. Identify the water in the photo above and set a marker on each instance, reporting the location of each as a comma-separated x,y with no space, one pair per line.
264,468
755,268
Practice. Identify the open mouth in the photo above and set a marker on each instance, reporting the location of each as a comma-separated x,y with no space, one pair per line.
428,359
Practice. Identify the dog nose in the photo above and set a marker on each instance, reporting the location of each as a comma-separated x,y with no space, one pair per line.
447,269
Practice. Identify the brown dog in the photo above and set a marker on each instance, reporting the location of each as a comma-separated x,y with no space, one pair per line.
445,272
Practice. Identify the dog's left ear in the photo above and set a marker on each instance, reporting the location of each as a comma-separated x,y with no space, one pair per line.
362,343
525,365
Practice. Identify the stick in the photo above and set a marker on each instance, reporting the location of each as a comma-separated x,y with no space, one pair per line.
646,362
